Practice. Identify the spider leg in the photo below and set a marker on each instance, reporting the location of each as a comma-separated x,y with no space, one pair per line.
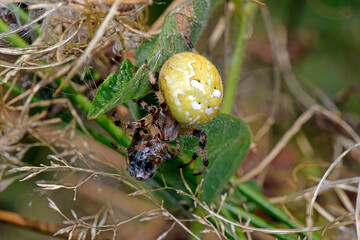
190,44
200,151
159,160
147,107
177,151
141,122
139,147
118,123
155,86
155,131
142,134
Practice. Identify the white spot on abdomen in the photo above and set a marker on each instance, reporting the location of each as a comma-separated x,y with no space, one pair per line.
198,85
209,110
196,105
190,73
216,93
175,96
193,121
208,66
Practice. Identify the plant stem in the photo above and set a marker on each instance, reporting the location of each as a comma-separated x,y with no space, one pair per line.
102,120
261,201
245,13
75,97
14,39
43,227
24,17
229,233
254,220
83,102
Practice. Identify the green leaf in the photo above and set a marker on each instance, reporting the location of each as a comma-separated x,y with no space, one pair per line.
109,91
228,143
189,20
144,50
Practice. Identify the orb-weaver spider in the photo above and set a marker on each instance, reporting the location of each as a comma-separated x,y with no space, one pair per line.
191,90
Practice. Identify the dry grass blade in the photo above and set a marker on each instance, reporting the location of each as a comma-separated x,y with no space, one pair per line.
280,145
279,47
342,184
345,199
26,26
164,234
108,2
328,171
91,46
294,129
37,66
254,229
181,224
53,206
357,213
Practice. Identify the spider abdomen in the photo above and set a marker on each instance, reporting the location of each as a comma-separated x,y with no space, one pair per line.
144,156
192,88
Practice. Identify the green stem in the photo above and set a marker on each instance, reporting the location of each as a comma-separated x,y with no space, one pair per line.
14,39
24,17
245,13
254,220
229,233
197,227
276,212
84,103
75,97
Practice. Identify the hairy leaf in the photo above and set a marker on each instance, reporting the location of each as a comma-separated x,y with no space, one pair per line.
144,50
114,85
189,20
227,145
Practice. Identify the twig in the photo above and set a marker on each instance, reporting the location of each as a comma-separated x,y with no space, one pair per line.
342,184
109,2
280,145
37,66
294,130
90,47
336,162
357,213
279,47
28,25
34,224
